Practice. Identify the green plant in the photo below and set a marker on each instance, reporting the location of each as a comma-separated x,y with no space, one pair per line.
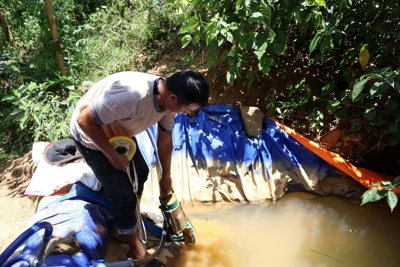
344,54
41,111
98,37
382,190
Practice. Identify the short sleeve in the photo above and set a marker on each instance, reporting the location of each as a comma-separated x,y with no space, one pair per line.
114,104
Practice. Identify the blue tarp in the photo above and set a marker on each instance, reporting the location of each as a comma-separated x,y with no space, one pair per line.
83,221
215,140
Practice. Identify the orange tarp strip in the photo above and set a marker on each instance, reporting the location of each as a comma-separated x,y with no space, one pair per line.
363,176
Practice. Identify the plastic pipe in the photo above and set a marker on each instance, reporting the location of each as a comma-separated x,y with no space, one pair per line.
48,231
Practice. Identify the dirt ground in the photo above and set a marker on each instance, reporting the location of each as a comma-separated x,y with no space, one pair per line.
15,208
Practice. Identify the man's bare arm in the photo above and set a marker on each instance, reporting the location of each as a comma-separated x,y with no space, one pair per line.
94,131
164,144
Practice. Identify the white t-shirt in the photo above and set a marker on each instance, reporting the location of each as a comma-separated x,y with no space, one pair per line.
124,103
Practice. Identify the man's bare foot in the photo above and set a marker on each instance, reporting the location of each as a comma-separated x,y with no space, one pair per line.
136,248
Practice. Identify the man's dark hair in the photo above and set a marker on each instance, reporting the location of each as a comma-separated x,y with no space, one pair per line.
189,86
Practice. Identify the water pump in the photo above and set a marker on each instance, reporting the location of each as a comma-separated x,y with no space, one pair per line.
179,227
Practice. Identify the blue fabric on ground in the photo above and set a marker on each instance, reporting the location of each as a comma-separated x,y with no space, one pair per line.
87,223
216,136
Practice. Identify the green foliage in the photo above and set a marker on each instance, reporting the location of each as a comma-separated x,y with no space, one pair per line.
380,191
98,37
43,109
235,31
350,48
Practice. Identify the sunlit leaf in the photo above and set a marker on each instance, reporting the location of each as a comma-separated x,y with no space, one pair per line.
358,88
314,42
363,56
392,200
327,89
186,39
265,64
87,83
239,4
231,76
372,195
378,88
190,25
256,17
386,184
333,106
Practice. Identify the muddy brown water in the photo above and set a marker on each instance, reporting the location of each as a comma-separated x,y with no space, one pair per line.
299,230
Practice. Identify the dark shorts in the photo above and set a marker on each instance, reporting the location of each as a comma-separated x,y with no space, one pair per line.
117,186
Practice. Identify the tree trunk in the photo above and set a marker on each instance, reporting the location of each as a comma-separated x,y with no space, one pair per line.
54,34
6,28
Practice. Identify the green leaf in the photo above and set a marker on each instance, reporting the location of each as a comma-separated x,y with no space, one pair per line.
397,86
231,76
36,118
279,45
189,25
371,195
261,51
314,42
23,122
8,98
358,88
396,181
256,17
246,40
265,10
332,106
87,83
387,184
378,88
239,4
271,36
251,77
327,89
370,114
186,39
324,45
392,200
265,64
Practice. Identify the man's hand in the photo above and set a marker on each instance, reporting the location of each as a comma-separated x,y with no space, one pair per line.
118,161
